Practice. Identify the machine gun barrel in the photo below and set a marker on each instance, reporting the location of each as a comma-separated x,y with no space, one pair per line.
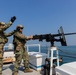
70,33
56,35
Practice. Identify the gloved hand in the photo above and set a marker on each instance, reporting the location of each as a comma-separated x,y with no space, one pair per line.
13,19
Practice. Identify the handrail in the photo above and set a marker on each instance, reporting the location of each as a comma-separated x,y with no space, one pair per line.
27,46
32,46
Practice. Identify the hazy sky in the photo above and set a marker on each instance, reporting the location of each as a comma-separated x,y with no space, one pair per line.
41,17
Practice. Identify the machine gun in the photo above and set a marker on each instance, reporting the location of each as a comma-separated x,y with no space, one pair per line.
52,37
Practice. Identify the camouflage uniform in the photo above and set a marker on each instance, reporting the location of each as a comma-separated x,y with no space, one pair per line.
3,40
20,52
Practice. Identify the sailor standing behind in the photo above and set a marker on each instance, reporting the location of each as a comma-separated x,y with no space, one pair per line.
3,38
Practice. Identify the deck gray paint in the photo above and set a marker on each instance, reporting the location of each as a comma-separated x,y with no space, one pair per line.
7,70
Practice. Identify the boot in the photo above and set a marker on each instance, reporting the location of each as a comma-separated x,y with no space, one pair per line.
0,73
16,73
28,70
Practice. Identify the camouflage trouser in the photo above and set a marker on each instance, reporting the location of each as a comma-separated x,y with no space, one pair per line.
1,57
20,53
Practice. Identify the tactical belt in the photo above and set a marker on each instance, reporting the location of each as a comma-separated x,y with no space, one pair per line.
1,42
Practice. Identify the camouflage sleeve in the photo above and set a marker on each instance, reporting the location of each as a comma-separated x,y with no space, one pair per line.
10,33
21,36
6,26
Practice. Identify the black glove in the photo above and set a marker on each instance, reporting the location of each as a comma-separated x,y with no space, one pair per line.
14,31
13,19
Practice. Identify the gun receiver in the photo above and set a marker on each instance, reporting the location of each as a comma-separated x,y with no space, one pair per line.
51,37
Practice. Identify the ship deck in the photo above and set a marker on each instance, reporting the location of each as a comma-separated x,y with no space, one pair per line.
8,68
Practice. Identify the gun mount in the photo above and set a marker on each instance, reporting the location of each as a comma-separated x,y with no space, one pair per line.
52,37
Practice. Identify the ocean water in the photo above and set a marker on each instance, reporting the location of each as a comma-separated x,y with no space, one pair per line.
67,53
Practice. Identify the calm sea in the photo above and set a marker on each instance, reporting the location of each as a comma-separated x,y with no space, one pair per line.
68,53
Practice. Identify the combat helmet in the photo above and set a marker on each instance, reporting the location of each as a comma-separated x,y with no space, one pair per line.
19,26
2,23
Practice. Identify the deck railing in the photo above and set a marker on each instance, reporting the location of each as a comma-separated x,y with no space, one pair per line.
10,47
34,45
